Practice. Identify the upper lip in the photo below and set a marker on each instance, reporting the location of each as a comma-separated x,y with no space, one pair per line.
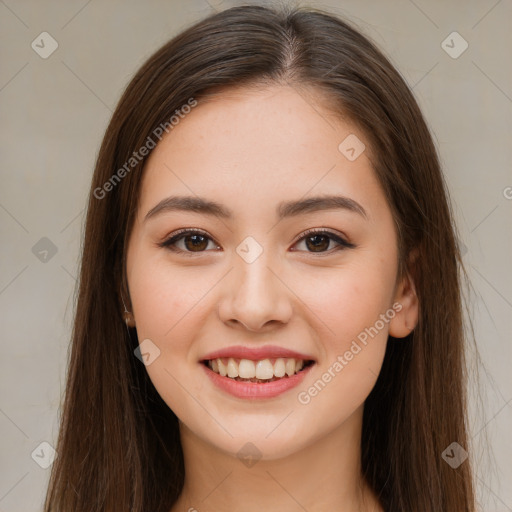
256,354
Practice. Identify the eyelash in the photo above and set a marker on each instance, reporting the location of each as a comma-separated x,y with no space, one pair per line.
175,237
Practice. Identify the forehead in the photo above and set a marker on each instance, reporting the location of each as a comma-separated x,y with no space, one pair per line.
254,147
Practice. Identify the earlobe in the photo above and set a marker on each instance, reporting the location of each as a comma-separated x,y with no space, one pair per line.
406,317
128,317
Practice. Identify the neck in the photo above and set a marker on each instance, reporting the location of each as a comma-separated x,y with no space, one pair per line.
323,476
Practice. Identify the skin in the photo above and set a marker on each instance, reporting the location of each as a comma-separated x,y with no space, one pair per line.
250,149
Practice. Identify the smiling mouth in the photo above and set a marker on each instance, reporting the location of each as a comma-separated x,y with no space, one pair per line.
260,371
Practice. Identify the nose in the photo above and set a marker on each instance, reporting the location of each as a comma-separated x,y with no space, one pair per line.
254,296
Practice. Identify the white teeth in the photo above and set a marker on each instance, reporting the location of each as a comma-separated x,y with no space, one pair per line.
246,369
222,368
279,367
232,368
290,367
263,369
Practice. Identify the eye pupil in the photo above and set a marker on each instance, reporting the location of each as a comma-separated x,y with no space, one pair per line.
195,245
319,245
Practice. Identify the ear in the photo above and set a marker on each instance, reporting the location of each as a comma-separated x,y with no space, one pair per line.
125,312
406,317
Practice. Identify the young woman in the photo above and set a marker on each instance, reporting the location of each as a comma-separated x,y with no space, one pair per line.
269,312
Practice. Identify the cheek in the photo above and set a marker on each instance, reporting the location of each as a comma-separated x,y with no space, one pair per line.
352,321
167,306
164,298
348,301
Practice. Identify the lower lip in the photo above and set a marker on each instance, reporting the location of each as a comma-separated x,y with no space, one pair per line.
255,389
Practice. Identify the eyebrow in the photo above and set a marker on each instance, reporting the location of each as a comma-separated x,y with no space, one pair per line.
285,209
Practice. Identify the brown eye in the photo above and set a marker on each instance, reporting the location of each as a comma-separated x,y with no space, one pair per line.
193,241
196,241
317,241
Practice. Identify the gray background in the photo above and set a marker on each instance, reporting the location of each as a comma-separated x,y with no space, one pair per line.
55,110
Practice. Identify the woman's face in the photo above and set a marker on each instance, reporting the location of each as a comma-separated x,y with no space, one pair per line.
252,288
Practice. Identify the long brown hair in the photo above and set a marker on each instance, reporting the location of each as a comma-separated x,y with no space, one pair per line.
119,445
